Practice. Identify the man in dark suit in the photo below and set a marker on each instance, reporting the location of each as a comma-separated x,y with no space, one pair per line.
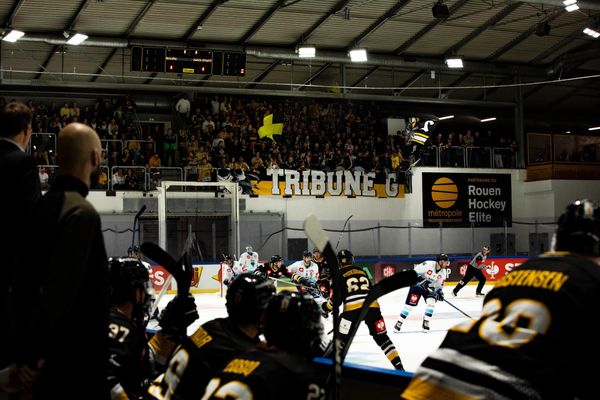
20,190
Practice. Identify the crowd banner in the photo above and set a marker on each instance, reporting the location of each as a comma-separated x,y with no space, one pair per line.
287,182
461,200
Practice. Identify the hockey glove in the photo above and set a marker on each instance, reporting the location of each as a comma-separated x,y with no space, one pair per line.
179,313
424,284
439,295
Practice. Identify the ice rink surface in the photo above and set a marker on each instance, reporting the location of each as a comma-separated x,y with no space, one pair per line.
412,344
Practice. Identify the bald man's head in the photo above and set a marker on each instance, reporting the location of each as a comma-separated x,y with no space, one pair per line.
78,151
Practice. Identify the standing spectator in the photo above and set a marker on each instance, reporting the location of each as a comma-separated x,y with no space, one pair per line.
61,292
21,189
531,340
43,178
183,107
204,171
170,148
65,111
474,270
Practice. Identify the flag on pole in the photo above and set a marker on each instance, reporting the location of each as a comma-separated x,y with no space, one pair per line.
270,128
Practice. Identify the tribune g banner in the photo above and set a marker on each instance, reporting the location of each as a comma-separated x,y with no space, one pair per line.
459,200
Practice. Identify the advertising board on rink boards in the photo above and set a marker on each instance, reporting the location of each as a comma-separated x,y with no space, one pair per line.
497,267
287,182
206,279
461,200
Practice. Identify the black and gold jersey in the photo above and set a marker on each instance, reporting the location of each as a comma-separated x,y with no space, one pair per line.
199,357
355,285
268,374
530,342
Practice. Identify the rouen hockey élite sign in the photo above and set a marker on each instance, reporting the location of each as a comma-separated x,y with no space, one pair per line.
459,200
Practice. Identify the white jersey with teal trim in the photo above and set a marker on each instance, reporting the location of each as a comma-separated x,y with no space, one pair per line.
426,270
310,271
248,261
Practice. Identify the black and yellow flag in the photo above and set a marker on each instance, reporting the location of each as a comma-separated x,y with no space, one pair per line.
418,131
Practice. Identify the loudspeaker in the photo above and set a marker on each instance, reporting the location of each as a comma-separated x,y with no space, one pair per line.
500,247
440,10
542,29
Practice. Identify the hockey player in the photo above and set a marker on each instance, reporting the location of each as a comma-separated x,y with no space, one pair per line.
355,287
431,278
133,361
531,340
304,272
324,282
216,342
282,369
272,269
231,269
248,260
474,270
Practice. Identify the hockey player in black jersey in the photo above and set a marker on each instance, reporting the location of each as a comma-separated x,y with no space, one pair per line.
272,269
282,369
216,342
133,360
355,287
531,341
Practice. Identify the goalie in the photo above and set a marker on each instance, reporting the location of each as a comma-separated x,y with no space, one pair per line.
431,278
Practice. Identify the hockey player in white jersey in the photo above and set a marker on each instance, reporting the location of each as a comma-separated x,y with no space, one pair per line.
230,270
304,272
248,260
431,278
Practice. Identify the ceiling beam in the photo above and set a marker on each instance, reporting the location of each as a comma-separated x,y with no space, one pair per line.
524,35
102,66
71,25
365,76
456,82
427,28
263,20
411,81
13,13
378,23
202,18
564,97
556,47
489,23
263,74
315,75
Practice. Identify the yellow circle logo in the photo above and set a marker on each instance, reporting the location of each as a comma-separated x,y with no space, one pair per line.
444,193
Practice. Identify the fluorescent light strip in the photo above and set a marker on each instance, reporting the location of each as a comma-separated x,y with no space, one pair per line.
488,119
358,55
13,36
454,62
307,51
595,128
77,39
446,117
572,7
592,33
569,2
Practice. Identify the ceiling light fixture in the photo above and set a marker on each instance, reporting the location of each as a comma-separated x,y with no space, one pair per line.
13,36
358,55
454,62
595,128
306,51
488,119
446,117
76,39
592,33
570,5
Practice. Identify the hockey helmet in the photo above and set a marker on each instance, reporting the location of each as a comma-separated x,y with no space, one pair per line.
228,259
126,275
442,257
486,248
345,257
293,323
306,254
247,297
249,249
276,258
578,229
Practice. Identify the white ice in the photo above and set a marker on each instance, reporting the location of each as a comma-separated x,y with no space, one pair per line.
412,344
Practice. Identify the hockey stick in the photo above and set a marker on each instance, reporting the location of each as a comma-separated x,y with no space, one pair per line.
315,232
385,286
457,309
342,233
135,221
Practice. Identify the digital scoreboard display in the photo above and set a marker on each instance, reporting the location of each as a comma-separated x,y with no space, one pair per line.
188,61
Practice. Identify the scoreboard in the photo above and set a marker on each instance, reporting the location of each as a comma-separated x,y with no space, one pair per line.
188,61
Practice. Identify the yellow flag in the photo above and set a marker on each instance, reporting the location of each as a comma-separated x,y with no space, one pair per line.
269,128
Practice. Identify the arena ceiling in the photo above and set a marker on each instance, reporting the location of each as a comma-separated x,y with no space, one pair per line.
502,43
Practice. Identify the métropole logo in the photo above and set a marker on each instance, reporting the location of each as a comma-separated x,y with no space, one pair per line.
444,192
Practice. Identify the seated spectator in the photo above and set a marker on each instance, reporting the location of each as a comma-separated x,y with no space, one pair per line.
241,164
154,161
43,178
118,180
204,171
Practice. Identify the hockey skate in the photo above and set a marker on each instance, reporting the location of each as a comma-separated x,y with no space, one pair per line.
454,294
480,294
425,326
398,326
